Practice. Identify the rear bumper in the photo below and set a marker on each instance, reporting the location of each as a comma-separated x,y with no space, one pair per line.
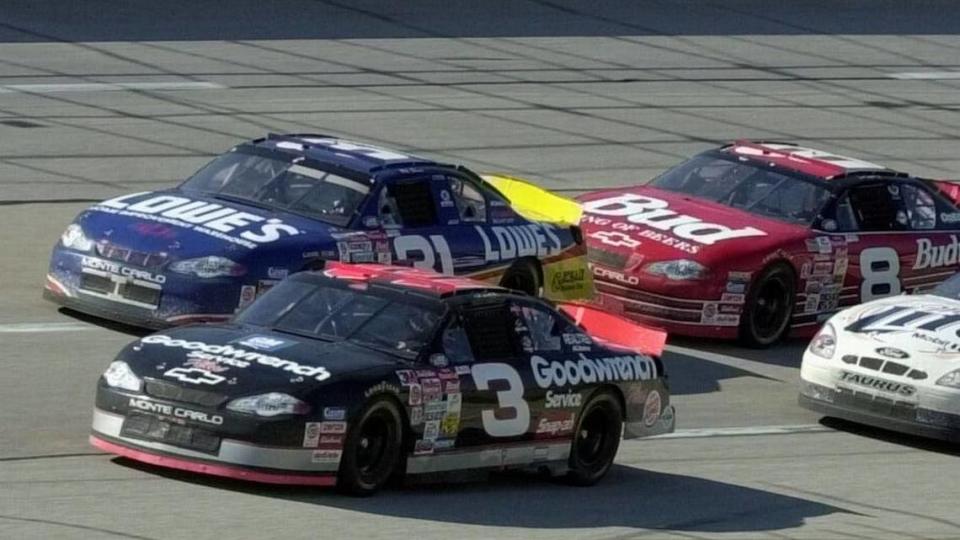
232,459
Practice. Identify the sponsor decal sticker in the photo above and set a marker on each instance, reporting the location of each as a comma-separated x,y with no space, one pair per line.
407,377
950,217
736,287
568,399
450,425
326,456
311,435
651,408
416,416
555,424
334,413
381,387
118,269
248,293
194,376
550,374
238,356
333,428
431,430
655,213
432,389
175,412
615,239
733,298
823,245
936,256
876,383
444,444
264,343
892,352
416,394
211,219
423,447
277,272
434,410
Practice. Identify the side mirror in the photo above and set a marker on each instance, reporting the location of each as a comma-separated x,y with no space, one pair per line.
371,222
439,360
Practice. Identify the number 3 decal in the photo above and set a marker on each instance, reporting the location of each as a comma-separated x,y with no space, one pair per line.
880,270
512,415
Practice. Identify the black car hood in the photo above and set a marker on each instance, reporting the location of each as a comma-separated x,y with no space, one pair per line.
241,360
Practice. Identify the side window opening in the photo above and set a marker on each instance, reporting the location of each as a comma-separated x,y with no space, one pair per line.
491,333
456,344
876,209
543,328
921,207
471,204
409,204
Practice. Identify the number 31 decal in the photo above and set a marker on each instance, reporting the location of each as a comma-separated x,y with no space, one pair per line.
880,270
512,415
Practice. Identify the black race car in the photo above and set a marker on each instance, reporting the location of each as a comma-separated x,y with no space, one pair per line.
353,374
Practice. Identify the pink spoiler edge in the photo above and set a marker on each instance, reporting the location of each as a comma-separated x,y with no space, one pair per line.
614,330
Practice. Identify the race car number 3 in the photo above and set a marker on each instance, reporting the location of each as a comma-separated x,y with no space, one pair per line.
512,415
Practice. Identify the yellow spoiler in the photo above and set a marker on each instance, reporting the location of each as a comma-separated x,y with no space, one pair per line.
535,203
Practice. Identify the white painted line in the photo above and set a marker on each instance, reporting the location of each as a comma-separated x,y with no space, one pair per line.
106,87
34,328
747,431
771,371
926,75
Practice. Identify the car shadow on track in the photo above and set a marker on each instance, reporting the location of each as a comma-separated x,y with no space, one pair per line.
787,353
106,324
892,437
692,375
628,497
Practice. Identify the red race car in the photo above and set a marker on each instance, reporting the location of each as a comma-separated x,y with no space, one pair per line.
758,239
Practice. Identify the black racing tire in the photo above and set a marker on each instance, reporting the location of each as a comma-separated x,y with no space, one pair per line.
524,276
596,440
769,306
372,450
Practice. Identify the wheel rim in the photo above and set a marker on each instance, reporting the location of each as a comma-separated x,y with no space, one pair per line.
592,437
770,309
372,447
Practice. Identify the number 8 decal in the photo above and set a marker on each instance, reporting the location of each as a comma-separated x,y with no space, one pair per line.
880,270
500,422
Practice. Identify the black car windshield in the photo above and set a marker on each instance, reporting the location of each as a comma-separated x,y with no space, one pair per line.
741,184
336,312
949,288
276,182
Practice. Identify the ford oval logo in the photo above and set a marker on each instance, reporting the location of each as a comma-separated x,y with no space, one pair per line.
890,352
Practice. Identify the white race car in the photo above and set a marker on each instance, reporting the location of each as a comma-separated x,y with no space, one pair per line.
892,363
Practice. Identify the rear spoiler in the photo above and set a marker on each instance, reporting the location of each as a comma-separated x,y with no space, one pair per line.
613,330
535,203
949,188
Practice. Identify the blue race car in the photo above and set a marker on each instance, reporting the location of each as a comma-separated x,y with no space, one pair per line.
285,203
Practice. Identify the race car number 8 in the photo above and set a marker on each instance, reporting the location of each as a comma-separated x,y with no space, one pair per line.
880,270
512,415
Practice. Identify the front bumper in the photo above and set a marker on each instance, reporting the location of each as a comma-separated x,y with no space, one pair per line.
681,315
141,296
932,413
208,440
